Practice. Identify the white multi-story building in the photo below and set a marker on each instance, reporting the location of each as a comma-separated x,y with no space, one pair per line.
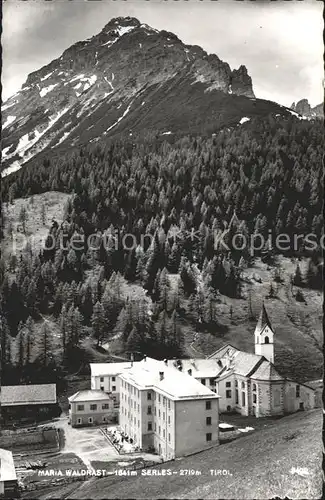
166,410
104,377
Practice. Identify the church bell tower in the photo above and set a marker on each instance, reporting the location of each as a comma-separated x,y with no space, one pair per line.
264,336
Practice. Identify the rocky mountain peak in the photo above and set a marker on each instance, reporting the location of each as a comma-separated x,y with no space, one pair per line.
304,109
241,82
128,77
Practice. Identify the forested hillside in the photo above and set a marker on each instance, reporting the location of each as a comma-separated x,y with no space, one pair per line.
145,211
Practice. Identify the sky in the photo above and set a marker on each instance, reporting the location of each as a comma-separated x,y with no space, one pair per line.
280,42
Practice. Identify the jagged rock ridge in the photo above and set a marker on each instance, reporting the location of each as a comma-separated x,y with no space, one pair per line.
304,109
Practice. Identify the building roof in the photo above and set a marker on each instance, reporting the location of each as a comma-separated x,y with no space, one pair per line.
202,368
220,352
16,395
89,395
7,466
244,363
266,371
263,321
102,369
175,384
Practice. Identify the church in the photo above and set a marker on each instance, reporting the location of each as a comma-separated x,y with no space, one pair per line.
246,383
249,383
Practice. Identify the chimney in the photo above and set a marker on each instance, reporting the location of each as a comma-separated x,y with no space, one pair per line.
166,361
161,375
189,371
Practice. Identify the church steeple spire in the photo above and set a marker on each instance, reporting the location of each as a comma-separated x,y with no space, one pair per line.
264,336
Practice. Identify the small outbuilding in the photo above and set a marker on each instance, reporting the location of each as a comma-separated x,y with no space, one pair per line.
91,407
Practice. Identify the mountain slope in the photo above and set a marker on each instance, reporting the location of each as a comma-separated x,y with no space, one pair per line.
129,78
292,446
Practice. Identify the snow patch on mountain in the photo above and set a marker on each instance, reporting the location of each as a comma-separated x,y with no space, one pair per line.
25,144
46,76
48,89
121,117
7,106
63,138
9,120
90,82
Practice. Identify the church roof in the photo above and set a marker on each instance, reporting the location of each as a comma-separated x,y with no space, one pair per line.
263,321
266,371
245,362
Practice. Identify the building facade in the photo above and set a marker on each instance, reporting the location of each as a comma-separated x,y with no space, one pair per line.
250,383
104,377
8,478
166,411
87,408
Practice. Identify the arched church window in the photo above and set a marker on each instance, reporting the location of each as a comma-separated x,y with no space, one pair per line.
267,340
254,387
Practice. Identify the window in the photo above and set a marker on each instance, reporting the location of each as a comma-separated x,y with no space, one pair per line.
254,398
159,430
243,398
209,436
155,411
254,387
228,394
135,420
101,379
155,427
138,423
113,379
203,381
163,432
93,408
297,391
163,415
168,437
228,384
267,340
90,420
105,406
168,419
164,401
69,406
138,409
79,420
104,419
243,385
101,388
149,410
80,407
208,405
149,396
113,388
159,413
208,420
159,398
149,426
236,383
168,404
212,380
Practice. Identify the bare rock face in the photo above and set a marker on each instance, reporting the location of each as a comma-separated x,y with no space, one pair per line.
306,111
241,82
